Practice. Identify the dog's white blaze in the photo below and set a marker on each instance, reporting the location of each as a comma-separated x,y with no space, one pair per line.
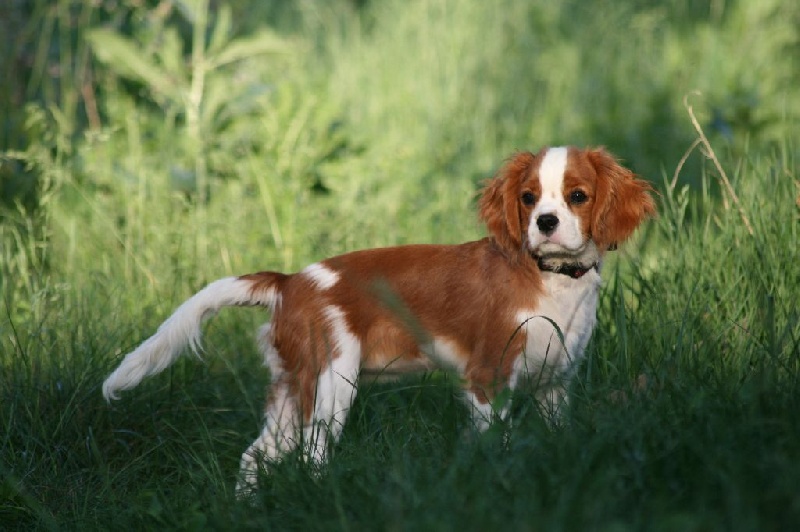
551,173
336,385
567,235
322,276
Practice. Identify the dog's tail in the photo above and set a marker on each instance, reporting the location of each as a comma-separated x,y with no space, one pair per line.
183,328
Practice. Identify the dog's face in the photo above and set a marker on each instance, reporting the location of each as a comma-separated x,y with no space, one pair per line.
564,204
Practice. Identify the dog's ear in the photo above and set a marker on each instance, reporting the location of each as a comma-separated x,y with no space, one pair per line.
499,206
622,201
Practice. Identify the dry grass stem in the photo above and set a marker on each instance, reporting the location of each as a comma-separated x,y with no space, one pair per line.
723,177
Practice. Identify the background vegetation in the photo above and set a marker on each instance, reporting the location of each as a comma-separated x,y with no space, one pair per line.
149,147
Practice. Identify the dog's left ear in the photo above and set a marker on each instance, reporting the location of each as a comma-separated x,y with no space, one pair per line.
499,204
622,202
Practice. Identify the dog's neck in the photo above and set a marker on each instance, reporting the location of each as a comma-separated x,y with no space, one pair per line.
570,269
572,264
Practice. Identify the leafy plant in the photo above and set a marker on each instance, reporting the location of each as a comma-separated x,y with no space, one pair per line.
197,89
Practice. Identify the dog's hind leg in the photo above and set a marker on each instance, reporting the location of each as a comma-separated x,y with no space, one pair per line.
281,433
335,390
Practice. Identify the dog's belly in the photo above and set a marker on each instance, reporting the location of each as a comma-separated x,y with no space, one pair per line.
396,369
438,353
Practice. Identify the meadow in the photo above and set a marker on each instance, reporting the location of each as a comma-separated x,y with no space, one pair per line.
148,148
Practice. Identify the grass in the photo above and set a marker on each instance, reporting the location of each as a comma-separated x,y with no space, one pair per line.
374,125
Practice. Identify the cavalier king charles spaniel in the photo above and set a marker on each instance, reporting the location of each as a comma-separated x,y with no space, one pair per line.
517,305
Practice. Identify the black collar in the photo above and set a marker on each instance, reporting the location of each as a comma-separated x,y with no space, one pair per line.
576,271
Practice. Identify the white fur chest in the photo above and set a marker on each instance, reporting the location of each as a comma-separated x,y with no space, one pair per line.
558,330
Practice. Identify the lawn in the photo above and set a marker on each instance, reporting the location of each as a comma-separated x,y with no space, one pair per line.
148,148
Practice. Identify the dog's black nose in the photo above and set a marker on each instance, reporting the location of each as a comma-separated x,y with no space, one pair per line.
547,223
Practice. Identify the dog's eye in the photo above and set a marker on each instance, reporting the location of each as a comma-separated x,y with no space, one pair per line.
528,198
577,197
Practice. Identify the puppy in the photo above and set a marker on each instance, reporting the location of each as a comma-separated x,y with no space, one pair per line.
516,305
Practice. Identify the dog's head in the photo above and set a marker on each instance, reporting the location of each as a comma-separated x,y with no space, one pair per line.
565,204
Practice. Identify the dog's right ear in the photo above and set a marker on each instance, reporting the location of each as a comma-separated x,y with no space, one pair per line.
499,206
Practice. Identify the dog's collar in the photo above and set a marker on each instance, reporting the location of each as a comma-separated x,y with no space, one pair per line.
575,270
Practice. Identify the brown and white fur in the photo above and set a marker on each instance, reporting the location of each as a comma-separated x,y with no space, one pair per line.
516,305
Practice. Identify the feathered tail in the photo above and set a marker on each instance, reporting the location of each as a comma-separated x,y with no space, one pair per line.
183,328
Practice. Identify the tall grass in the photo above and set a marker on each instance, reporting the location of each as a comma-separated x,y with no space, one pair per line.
374,125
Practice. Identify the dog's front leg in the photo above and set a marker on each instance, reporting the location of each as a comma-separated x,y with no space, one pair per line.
483,410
